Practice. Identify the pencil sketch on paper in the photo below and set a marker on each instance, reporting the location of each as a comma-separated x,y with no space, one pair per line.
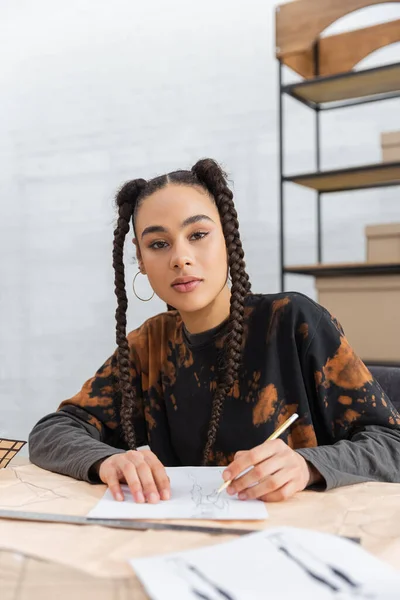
207,504
284,562
200,585
335,579
193,496
26,491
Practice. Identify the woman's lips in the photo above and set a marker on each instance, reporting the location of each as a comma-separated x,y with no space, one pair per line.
189,286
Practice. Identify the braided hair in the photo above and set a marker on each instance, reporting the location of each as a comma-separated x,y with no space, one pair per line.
208,175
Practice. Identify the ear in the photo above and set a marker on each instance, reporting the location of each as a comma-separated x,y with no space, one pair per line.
139,257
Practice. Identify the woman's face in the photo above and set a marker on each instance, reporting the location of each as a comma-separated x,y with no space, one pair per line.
181,247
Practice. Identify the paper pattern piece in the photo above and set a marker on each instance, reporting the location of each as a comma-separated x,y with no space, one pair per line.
283,563
8,449
193,496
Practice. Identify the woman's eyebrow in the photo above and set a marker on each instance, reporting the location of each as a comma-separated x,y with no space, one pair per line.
185,223
153,229
195,219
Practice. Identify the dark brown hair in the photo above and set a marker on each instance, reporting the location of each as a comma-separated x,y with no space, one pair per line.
207,174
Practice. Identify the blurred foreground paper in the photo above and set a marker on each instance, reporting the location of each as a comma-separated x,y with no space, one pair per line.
8,449
281,563
193,496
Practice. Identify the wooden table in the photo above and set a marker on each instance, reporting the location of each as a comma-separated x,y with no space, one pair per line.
45,561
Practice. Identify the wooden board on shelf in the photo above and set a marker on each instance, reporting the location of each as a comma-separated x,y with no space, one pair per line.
344,269
347,86
300,23
342,52
354,178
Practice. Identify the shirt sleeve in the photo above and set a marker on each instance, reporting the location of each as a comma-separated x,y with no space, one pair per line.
357,426
87,427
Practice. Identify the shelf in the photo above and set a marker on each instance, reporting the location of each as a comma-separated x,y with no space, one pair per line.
347,89
356,178
344,269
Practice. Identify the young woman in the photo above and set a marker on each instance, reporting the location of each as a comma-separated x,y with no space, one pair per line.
206,382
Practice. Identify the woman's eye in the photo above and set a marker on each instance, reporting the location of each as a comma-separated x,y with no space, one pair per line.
158,245
198,235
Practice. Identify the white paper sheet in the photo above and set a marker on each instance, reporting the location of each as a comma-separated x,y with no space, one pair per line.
193,496
282,563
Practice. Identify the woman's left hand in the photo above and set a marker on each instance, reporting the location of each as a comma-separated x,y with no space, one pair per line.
278,472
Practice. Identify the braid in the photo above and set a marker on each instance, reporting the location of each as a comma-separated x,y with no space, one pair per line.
209,176
126,201
213,179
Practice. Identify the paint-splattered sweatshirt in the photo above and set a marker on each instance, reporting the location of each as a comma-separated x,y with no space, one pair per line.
296,358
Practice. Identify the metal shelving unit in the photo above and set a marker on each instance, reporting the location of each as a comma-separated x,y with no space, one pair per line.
333,92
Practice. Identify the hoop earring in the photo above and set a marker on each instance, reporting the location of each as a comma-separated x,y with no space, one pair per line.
134,291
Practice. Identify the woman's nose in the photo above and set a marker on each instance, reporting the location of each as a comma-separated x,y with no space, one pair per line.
181,257
181,261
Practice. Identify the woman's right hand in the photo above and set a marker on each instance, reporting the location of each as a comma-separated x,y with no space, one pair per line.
141,470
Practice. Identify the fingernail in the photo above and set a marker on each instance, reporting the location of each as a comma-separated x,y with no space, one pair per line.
153,497
165,495
119,497
226,475
139,497
242,496
230,490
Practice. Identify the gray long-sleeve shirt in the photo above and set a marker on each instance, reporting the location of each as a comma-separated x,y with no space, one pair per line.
295,359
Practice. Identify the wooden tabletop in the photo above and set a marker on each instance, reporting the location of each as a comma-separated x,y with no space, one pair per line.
91,561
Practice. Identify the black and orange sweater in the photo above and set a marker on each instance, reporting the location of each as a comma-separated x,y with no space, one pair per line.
295,359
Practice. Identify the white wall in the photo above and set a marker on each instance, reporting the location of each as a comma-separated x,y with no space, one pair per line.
93,93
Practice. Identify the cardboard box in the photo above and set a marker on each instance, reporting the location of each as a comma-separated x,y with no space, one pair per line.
390,142
383,243
368,307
